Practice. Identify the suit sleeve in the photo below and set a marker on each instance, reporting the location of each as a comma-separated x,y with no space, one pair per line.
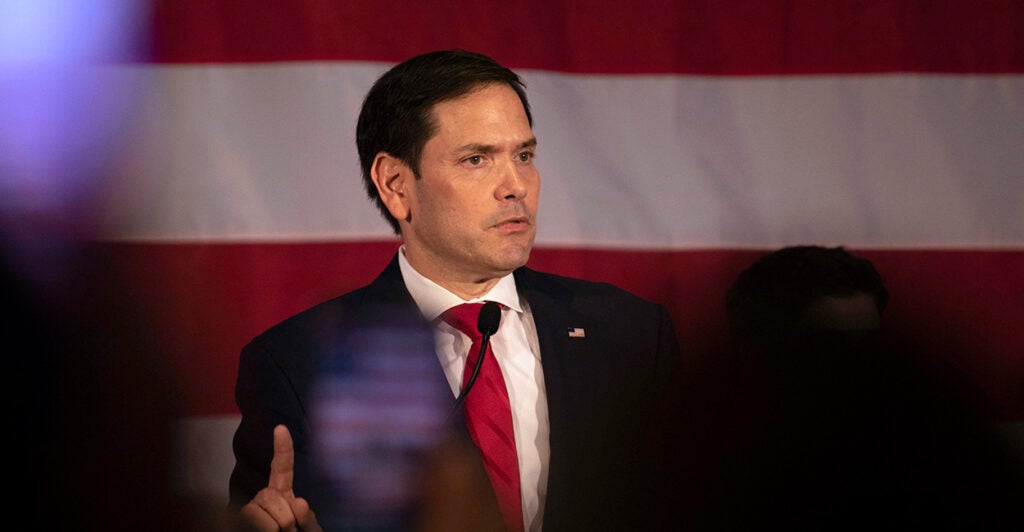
668,351
266,397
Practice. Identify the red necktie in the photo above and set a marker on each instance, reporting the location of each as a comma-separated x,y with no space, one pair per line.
489,417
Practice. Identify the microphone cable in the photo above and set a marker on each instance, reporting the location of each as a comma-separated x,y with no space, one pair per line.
487,324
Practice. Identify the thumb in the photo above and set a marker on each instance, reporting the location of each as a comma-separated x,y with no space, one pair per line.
282,467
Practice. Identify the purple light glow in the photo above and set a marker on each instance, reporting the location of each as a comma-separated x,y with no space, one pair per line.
64,111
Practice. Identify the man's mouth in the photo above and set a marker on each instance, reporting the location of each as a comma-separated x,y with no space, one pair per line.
512,225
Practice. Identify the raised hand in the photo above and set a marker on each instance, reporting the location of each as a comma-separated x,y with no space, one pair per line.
276,507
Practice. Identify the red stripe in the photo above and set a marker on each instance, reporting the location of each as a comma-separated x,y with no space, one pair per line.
608,36
208,300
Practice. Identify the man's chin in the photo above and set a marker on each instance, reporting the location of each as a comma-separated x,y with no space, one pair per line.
512,259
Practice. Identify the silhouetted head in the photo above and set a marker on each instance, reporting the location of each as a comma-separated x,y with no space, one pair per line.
805,289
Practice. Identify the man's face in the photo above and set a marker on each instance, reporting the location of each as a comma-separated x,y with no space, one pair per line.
853,314
472,214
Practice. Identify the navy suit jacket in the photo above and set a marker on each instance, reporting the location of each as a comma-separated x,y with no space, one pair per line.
601,388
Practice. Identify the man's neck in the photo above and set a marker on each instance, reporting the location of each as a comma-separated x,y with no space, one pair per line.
463,284
433,299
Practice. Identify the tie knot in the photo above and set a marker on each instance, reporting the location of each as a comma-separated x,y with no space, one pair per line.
464,317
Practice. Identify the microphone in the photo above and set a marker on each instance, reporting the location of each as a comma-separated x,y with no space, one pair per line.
487,324
490,317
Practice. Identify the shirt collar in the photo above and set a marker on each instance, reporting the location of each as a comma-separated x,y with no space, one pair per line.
432,299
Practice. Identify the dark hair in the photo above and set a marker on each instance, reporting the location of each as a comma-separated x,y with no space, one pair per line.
396,114
768,298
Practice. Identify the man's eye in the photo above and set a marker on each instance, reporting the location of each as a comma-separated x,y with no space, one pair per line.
474,160
526,156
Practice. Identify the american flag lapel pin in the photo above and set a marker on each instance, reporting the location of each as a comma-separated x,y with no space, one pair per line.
577,332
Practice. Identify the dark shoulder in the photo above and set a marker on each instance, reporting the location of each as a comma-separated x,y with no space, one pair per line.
297,331
583,293
331,323
560,284
384,300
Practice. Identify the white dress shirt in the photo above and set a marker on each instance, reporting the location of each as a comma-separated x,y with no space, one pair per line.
517,352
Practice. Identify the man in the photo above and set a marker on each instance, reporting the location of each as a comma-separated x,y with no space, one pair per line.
818,417
446,144
743,421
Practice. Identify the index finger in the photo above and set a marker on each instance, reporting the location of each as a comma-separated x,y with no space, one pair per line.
282,466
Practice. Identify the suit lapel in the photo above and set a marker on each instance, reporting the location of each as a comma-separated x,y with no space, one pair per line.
564,360
388,290
387,301
550,304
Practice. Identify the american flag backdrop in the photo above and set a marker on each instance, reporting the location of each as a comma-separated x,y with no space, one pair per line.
678,140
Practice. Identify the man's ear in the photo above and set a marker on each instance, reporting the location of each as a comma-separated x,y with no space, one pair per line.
393,179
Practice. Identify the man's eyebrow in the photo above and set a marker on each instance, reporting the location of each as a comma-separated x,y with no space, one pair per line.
532,143
490,148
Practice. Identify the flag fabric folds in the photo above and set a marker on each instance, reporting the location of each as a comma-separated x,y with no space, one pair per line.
677,142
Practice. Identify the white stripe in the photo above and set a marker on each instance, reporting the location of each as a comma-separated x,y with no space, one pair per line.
266,152
204,458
